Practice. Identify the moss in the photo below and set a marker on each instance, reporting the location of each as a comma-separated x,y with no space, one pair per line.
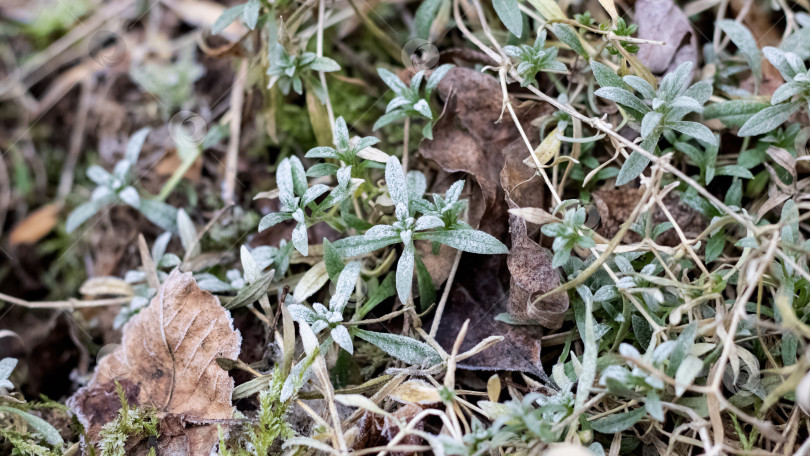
269,425
130,422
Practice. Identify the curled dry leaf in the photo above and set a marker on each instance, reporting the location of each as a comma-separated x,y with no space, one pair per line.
662,20
528,262
167,361
469,134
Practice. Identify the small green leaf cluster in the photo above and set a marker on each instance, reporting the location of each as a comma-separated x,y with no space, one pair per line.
621,29
409,101
568,233
534,59
356,154
299,200
656,111
787,99
247,13
410,226
293,70
320,318
118,187
678,359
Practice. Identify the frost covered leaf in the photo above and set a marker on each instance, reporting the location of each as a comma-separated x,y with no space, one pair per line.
39,425
768,119
472,241
395,179
402,348
7,365
168,361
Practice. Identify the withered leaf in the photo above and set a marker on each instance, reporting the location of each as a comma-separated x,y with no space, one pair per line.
469,135
615,206
528,262
478,295
36,226
662,20
167,361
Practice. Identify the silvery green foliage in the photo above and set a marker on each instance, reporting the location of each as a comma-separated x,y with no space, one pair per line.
787,99
408,100
401,347
655,111
569,233
534,416
448,208
320,318
247,13
344,150
296,196
534,59
746,44
117,187
7,365
292,70
409,227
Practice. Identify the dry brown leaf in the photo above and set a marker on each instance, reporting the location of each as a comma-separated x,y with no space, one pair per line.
662,20
528,262
36,225
167,361
615,206
469,135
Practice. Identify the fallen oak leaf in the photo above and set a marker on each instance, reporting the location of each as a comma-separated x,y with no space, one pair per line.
167,361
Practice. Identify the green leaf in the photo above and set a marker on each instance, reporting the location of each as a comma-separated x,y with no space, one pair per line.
569,36
682,347
159,213
187,232
7,365
424,17
733,113
250,16
400,347
427,291
734,170
618,422
605,76
695,130
135,144
472,241
81,214
227,18
746,44
39,425
383,292
653,406
632,168
768,119
510,15
325,64
623,97
687,372
332,258
358,245
715,245
392,81
251,293
405,272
